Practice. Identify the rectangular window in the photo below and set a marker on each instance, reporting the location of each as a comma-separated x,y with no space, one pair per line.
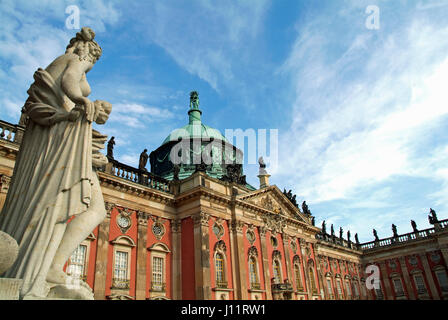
347,288
420,284
398,287
329,287
76,267
121,265
157,273
355,289
442,279
339,287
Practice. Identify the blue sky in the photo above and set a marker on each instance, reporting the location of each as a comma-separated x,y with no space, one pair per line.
361,113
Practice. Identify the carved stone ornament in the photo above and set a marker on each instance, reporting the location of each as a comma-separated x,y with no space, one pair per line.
158,229
274,242
392,264
124,220
218,230
276,255
274,222
302,243
220,246
237,226
142,218
109,206
250,235
252,252
296,259
293,245
202,218
176,225
4,181
435,257
413,261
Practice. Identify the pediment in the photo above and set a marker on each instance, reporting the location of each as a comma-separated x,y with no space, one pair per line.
274,200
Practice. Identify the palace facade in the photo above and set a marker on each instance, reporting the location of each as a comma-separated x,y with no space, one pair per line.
201,232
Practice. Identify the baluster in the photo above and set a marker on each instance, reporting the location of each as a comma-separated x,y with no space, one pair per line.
9,136
3,132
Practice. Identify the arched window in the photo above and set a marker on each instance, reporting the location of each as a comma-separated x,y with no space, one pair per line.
298,273
220,272
312,280
253,274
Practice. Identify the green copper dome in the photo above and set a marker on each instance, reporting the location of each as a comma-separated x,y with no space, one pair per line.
197,136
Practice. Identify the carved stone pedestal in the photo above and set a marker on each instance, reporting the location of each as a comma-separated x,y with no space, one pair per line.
10,288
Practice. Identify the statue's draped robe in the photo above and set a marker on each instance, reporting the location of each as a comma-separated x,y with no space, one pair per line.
51,180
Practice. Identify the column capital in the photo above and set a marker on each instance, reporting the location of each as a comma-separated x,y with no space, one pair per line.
237,226
109,206
201,218
142,218
176,225
4,181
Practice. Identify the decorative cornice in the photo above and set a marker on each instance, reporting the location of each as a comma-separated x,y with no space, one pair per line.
129,187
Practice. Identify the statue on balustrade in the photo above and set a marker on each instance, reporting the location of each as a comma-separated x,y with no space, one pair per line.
414,226
110,148
375,234
432,217
55,200
143,160
324,228
394,231
356,239
341,233
348,236
332,230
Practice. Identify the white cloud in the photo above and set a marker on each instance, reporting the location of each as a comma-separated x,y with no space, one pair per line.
204,36
357,127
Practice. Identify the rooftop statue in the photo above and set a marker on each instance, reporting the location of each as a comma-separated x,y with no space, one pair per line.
414,226
110,148
305,208
262,169
394,231
324,227
375,234
143,160
54,200
356,239
194,100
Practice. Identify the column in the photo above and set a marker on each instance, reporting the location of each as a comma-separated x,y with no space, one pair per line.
388,294
202,256
238,260
264,256
306,283
142,230
429,277
177,259
99,286
407,279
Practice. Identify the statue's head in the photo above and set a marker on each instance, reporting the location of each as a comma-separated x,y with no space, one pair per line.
84,45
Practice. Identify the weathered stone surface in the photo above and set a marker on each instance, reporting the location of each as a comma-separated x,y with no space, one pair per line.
70,291
8,251
10,288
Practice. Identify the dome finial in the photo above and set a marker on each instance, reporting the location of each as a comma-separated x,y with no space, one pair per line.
194,113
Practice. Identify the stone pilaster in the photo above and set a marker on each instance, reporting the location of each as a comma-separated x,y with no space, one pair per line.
306,284
99,286
429,277
388,294
264,257
142,229
202,256
444,251
4,186
407,279
238,260
286,240
177,263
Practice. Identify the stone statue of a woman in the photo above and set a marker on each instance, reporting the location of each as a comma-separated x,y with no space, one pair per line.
54,200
